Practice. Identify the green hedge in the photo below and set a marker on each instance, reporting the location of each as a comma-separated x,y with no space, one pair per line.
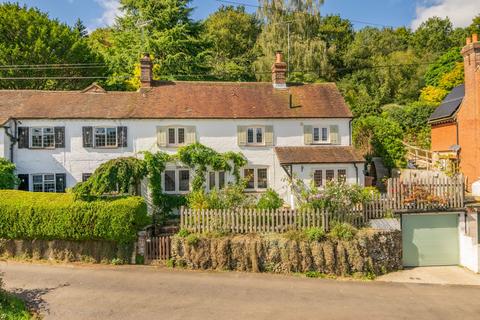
55,216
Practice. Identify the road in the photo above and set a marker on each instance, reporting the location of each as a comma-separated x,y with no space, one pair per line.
142,292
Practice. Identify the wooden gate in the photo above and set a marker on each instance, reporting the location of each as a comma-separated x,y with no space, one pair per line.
158,248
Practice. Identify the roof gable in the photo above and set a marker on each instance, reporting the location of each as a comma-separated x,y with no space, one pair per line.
449,105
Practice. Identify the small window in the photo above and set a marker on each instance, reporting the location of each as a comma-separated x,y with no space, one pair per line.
211,180
176,136
329,175
216,180
170,181
42,138
105,138
184,177
43,183
255,136
321,135
256,178
342,175
221,180
318,178
86,176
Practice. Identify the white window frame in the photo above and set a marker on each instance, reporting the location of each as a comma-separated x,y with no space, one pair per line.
320,131
106,145
42,137
255,178
177,181
54,181
176,134
255,142
217,180
324,174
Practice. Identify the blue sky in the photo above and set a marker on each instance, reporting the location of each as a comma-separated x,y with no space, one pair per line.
98,13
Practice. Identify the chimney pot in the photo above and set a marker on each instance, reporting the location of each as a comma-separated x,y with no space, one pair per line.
474,37
279,72
146,71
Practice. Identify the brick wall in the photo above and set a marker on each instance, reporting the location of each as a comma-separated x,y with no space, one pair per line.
443,136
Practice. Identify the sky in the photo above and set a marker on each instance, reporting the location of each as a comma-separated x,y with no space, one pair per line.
411,13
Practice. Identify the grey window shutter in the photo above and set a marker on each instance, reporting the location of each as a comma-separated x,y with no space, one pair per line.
191,135
24,185
334,135
122,137
87,137
162,136
60,182
59,137
269,135
242,135
23,137
307,135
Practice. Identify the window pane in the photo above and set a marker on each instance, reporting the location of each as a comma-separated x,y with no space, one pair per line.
324,134
111,137
181,135
249,175
342,175
100,140
184,184
221,179
250,135
259,135
171,135
262,182
38,187
316,134
318,178
211,180
329,175
169,180
37,179
37,141
49,177
48,141
49,183
86,176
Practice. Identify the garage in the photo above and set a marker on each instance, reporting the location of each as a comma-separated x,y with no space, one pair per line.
430,239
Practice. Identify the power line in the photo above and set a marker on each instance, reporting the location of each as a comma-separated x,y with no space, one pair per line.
51,68
287,11
52,78
52,65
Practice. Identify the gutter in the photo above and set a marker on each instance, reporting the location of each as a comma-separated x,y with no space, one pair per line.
350,130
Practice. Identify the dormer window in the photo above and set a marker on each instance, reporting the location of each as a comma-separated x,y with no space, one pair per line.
176,136
321,135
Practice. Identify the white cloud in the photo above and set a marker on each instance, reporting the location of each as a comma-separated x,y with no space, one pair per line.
111,9
460,12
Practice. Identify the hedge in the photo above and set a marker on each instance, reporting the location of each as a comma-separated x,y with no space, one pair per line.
55,216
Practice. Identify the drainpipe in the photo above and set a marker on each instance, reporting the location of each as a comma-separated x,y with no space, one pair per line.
350,130
356,171
13,137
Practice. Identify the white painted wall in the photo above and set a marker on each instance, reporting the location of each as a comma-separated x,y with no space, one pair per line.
469,247
220,135
4,142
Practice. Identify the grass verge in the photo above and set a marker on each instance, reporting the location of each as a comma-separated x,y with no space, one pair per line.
12,308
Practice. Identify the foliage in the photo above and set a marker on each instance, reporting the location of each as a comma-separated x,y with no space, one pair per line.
381,137
49,216
8,179
12,308
192,239
342,231
444,64
232,33
434,35
183,233
232,196
315,234
28,36
433,95
117,176
269,200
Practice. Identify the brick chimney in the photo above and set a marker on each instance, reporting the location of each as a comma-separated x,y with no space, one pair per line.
471,59
146,71
279,72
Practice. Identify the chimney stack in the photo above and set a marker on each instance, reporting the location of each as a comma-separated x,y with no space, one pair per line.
146,71
279,72
474,37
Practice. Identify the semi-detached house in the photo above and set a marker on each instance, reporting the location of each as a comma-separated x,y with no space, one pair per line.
57,139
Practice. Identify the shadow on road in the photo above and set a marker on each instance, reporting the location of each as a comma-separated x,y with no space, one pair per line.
34,297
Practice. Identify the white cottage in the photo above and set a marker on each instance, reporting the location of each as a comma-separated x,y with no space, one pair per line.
57,139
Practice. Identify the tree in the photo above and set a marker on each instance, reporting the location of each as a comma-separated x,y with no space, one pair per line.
80,28
8,179
434,36
30,37
233,34
162,28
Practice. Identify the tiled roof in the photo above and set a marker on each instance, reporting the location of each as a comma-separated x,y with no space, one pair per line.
449,105
181,100
317,154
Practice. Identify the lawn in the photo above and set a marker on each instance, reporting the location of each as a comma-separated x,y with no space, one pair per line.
12,308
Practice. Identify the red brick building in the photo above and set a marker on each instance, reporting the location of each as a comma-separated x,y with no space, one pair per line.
456,122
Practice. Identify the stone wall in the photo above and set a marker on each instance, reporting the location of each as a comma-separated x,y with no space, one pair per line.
68,251
370,252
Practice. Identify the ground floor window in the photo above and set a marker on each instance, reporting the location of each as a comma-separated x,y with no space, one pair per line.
320,176
176,180
257,178
86,176
216,180
49,182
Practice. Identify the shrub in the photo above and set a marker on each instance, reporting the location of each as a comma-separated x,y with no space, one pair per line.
315,234
270,200
55,216
343,231
295,235
183,233
8,179
12,307
232,196
192,239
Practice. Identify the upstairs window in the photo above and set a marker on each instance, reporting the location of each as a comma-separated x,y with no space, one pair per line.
255,136
321,135
106,137
42,138
176,136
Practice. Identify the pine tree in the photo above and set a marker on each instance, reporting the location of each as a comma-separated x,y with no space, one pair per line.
80,28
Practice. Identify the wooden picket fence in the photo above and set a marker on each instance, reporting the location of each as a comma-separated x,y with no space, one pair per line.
158,248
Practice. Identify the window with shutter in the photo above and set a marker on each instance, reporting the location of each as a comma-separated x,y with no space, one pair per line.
24,182
242,135
122,137
59,137
87,133
23,137
321,135
162,136
334,135
307,135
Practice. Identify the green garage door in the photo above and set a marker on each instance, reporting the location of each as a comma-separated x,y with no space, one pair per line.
430,240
